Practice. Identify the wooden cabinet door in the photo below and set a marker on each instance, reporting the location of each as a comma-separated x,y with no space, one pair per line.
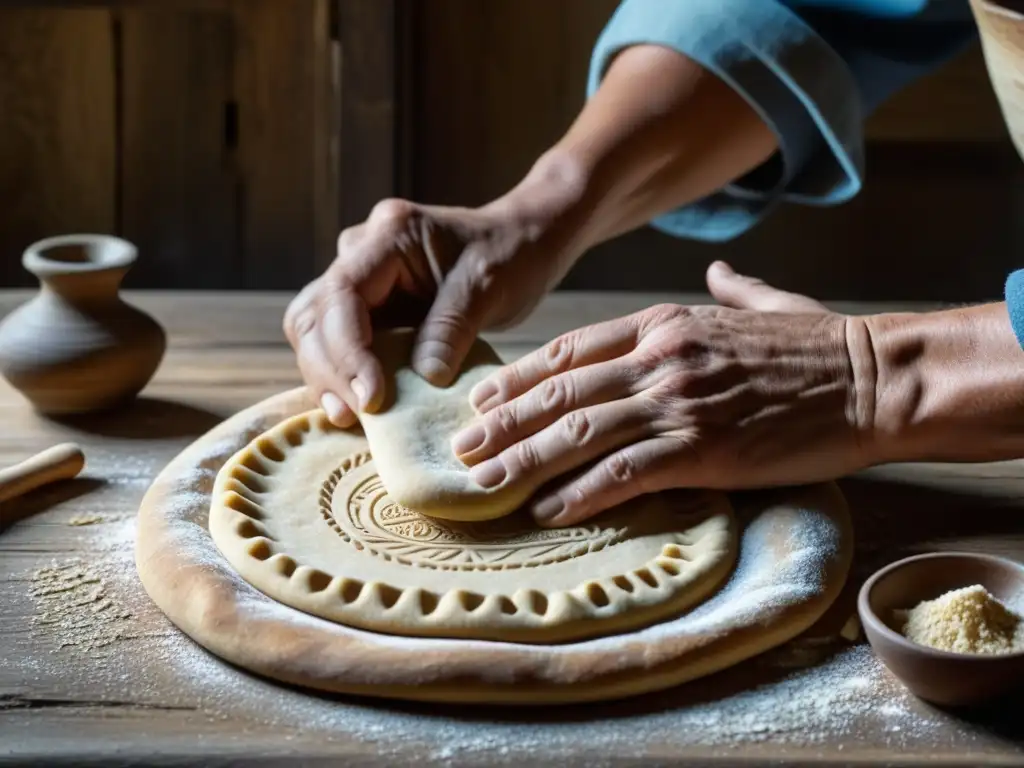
206,131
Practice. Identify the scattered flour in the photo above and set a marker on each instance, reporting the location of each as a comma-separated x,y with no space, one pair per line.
845,698
75,608
74,602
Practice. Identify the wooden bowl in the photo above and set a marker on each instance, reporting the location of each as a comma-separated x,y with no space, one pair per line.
941,677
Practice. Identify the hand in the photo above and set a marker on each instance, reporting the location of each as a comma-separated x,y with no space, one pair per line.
456,270
769,389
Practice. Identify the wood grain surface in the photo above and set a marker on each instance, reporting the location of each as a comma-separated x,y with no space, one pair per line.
206,131
57,131
95,675
177,194
282,57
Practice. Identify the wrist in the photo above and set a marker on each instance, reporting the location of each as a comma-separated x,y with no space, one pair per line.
950,385
549,205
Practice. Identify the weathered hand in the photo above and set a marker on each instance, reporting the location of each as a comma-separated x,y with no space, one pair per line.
449,271
769,389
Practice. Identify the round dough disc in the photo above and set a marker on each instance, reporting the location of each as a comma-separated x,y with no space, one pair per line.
302,515
794,555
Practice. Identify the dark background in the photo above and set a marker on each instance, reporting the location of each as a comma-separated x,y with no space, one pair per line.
232,139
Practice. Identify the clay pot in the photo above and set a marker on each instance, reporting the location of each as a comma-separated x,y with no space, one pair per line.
77,347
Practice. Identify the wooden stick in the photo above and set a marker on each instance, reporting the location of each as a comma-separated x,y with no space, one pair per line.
61,462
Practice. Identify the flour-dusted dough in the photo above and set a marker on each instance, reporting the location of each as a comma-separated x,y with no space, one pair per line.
410,436
795,551
303,516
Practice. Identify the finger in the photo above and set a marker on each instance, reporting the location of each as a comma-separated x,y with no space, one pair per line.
586,346
322,381
346,336
643,467
742,292
400,229
573,440
300,316
301,326
453,321
549,401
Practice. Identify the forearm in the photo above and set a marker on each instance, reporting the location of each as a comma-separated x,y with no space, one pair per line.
950,385
659,133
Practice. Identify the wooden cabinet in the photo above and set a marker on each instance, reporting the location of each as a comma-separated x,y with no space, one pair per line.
206,132
232,139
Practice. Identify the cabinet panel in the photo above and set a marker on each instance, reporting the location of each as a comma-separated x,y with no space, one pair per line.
179,190
206,132
57,130
282,57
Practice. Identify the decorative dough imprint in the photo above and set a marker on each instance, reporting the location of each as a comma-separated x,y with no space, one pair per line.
357,506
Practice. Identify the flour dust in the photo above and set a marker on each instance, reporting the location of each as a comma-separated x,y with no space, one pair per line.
823,692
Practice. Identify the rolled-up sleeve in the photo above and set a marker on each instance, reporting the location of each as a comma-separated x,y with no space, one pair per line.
1014,294
808,78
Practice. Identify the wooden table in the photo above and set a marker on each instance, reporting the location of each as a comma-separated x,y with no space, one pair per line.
153,696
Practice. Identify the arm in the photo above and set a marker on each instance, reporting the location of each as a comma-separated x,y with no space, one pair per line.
635,152
950,384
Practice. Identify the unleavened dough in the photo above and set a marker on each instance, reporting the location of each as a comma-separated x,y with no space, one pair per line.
795,552
410,436
303,516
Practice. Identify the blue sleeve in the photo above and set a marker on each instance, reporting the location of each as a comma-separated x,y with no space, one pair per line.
811,70
1015,303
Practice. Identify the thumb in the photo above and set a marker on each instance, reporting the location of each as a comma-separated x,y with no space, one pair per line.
452,323
732,289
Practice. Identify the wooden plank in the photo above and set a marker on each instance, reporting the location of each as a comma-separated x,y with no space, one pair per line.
154,697
281,48
370,103
57,131
491,94
447,96
178,191
327,137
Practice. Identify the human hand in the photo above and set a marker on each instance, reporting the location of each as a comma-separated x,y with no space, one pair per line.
450,271
769,389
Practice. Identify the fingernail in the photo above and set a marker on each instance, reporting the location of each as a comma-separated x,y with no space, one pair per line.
488,474
433,370
468,439
482,393
332,406
545,510
362,393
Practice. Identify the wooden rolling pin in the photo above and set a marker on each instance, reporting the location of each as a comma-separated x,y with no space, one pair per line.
61,462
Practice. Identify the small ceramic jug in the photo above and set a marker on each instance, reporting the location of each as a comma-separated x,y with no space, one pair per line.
77,347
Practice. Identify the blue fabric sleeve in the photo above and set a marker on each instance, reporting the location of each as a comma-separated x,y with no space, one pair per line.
1014,294
812,69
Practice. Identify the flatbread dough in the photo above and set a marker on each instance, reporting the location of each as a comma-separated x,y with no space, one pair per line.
303,516
795,551
410,436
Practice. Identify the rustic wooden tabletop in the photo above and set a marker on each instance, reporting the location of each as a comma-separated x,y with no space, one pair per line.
99,676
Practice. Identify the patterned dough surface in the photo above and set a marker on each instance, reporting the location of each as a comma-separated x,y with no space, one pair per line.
302,515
